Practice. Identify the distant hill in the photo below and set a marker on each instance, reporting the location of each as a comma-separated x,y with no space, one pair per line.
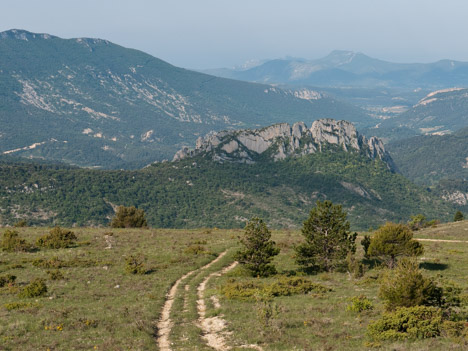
92,103
351,69
430,158
201,189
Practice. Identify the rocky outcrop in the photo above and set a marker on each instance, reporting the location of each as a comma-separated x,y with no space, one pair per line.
279,141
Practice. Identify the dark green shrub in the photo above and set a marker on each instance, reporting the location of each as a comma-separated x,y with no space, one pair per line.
7,280
365,242
57,238
36,288
258,249
11,242
360,304
458,216
418,322
21,224
20,305
355,267
405,286
129,217
135,265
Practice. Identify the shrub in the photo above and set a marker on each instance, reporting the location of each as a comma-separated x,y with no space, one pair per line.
405,286
129,217
407,322
258,249
365,242
458,216
328,239
54,262
195,249
355,267
392,241
19,305
11,242
135,265
417,222
7,280
287,286
57,238
55,275
283,286
359,304
34,289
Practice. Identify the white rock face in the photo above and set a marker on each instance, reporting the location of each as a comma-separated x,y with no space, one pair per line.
282,140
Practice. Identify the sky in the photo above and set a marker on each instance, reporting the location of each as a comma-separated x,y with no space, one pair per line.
204,34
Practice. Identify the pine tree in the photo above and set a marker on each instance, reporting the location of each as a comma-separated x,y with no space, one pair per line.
258,250
391,241
458,217
328,239
129,217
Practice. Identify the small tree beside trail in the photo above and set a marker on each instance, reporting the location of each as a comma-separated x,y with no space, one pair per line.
392,241
258,249
129,217
328,239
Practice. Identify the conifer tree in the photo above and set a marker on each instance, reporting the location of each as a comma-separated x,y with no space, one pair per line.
328,239
458,217
258,249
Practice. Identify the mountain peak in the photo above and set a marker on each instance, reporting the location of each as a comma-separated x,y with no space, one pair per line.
21,34
282,140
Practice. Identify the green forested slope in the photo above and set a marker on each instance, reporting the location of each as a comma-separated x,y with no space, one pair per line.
197,192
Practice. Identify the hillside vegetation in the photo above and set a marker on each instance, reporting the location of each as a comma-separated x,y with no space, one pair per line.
197,192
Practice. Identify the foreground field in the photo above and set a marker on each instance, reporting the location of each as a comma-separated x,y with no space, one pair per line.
181,302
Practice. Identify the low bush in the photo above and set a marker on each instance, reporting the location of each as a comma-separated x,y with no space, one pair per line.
135,264
195,249
405,286
129,217
53,262
34,289
359,304
417,322
282,286
20,305
55,275
11,242
7,280
57,238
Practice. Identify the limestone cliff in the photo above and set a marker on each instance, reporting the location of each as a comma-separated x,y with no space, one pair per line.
279,141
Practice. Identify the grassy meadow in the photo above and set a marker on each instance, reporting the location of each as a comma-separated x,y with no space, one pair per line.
98,305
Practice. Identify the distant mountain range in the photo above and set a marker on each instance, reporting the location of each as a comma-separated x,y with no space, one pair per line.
92,103
351,69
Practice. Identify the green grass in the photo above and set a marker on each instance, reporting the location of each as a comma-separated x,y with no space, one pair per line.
99,306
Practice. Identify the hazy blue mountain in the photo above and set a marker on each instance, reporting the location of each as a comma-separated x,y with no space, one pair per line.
92,103
346,68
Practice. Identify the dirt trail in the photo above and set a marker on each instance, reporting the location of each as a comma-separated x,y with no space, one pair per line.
212,327
165,323
442,240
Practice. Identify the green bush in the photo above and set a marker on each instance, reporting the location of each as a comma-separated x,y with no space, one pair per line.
458,216
365,242
407,323
55,275
57,238
11,242
53,262
129,217
360,304
7,280
135,264
195,249
282,286
287,286
19,305
405,286
36,288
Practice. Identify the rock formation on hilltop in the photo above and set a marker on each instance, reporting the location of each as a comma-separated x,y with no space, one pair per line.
279,141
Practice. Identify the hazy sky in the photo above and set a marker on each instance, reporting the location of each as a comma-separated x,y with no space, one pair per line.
222,33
